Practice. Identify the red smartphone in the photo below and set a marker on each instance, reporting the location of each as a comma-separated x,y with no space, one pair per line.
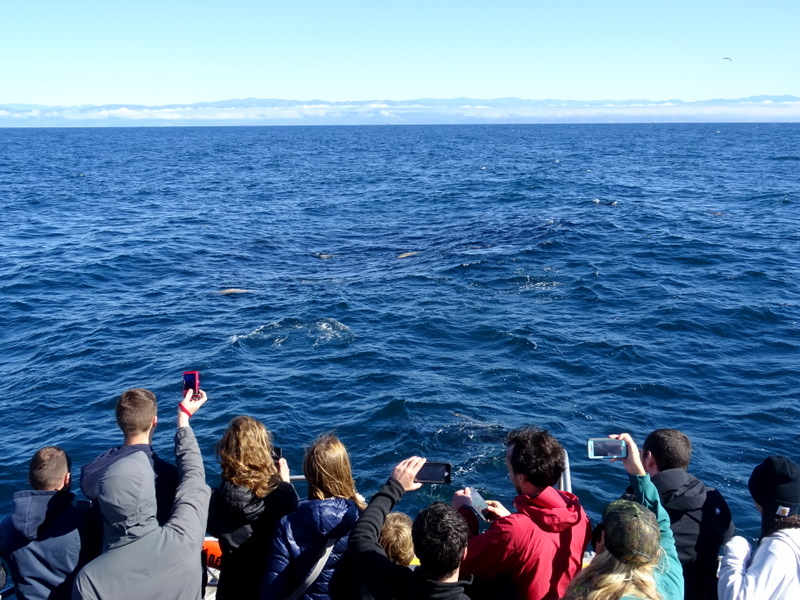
191,381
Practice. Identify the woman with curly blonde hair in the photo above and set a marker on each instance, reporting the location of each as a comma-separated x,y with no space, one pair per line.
636,557
310,542
254,495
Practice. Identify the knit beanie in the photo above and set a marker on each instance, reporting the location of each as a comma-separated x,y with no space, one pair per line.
775,486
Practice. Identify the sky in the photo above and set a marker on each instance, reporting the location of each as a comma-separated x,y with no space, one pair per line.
59,52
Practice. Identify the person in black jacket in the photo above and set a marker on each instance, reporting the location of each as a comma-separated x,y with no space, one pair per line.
440,537
47,538
699,516
254,495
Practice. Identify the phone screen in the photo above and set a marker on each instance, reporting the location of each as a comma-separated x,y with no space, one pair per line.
433,472
607,448
191,380
478,503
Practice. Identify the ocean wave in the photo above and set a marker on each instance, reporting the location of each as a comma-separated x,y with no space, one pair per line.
320,332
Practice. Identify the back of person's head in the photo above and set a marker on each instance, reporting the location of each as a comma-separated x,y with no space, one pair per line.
536,454
631,551
775,487
327,470
606,577
440,537
245,455
48,468
395,538
671,449
135,410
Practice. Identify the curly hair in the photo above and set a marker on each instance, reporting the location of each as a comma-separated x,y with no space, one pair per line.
245,455
536,454
395,538
440,536
328,473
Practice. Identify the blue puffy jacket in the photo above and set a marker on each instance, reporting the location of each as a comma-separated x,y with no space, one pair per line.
299,541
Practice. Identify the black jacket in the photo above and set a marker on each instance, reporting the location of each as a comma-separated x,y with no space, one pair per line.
46,540
367,574
701,523
245,524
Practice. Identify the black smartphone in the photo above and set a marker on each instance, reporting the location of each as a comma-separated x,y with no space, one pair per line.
277,453
606,448
435,472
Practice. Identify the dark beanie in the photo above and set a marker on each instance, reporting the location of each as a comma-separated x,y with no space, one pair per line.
775,486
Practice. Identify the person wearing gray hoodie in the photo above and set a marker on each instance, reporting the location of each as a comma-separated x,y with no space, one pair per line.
142,559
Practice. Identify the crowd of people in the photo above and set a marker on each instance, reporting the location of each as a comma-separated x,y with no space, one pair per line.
140,533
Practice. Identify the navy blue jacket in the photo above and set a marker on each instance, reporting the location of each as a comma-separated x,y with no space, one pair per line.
299,541
46,540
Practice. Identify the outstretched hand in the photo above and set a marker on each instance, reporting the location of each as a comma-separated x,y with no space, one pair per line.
189,405
632,462
405,472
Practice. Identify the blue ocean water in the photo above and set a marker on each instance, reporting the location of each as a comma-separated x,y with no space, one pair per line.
419,290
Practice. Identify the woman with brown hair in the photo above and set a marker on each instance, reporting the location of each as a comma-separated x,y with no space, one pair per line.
254,495
311,541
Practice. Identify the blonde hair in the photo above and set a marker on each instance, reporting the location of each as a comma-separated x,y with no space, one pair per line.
245,455
395,538
327,471
607,578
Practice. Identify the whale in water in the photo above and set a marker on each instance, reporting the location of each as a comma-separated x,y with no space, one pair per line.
407,254
233,291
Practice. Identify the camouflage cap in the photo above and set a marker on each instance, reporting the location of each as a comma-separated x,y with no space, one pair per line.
632,534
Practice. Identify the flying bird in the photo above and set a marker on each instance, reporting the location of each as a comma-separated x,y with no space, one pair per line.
727,58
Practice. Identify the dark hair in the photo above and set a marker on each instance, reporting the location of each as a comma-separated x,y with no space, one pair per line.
776,523
440,536
536,454
135,410
670,448
48,468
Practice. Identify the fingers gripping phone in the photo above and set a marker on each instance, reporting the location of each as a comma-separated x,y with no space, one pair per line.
435,472
606,448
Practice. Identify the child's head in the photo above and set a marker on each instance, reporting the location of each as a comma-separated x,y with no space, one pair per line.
395,538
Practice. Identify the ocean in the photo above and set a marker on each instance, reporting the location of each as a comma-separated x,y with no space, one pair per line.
418,290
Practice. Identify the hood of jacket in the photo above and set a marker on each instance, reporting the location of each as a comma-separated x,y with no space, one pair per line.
127,499
241,500
552,510
31,509
679,490
329,518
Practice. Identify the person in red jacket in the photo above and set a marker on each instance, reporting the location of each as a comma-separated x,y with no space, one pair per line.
539,549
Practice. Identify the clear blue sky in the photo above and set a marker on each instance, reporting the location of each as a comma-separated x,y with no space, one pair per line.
175,51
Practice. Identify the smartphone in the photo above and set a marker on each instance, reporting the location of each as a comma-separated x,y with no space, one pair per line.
435,472
606,448
191,381
478,503
277,453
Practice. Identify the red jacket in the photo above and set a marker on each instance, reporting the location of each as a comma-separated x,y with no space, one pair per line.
540,547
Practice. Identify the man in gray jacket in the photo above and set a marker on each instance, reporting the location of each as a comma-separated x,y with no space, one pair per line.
140,558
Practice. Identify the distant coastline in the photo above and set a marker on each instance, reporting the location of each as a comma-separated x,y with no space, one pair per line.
424,111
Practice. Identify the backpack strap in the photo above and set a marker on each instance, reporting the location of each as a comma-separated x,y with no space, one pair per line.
312,577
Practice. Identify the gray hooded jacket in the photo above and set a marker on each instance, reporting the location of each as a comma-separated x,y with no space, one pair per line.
140,558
